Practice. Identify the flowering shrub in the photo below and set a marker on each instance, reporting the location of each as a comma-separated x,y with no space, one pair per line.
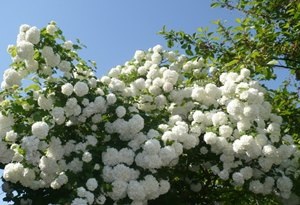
158,126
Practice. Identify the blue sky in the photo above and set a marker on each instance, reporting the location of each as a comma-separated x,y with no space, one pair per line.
112,30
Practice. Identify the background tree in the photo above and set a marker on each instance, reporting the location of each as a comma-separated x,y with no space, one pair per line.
264,40
163,127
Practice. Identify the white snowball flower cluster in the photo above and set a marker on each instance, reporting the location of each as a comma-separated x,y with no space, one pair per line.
51,58
40,129
10,78
120,133
81,89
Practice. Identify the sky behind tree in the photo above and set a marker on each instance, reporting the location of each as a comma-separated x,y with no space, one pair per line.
111,30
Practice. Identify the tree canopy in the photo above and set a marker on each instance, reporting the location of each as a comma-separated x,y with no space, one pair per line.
165,127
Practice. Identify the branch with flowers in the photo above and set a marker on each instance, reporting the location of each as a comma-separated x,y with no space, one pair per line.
160,128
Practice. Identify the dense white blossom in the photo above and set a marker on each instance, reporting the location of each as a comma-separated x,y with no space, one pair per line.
120,132
25,50
33,35
40,129
91,184
81,89
51,29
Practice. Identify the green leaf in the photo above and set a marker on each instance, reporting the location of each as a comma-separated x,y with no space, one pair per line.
231,63
33,87
189,52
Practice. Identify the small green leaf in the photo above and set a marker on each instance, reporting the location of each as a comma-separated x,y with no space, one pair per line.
231,63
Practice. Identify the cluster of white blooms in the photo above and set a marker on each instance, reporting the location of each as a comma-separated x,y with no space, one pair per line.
121,130
232,118
10,78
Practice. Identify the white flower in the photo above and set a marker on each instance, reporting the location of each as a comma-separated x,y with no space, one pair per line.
100,199
6,154
13,172
256,187
170,76
245,73
51,29
269,151
238,178
136,191
210,138
139,55
31,65
247,172
24,28
81,89
81,192
11,136
45,103
164,186
90,197
284,184
110,157
75,165
152,146
67,89
268,185
212,90
62,178
79,201
224,174
157,48
119,189
111,98
199,116
235,108
167,154
48,165
87,157
68,45
58,115
148,161
244,125
167,87
151,187
33,35
40,129
91,140
51,58
64,66
11,77
91,184
219,118
203,150
126,156
124,173
25,50
120,111
251,111
116,85
225,131
156,58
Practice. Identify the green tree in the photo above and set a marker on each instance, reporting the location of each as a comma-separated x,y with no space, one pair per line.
158,129
264,39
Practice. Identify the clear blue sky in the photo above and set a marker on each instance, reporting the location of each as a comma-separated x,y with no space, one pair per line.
112,29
